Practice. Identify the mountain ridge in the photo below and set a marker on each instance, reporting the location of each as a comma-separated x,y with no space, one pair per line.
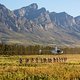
30,25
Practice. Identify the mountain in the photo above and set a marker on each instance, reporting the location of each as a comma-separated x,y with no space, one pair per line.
30,25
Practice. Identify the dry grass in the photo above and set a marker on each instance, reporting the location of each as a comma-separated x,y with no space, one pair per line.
11,69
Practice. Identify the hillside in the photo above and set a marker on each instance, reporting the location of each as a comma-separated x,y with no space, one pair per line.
30,25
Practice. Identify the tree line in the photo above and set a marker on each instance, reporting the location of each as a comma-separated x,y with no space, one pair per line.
15,49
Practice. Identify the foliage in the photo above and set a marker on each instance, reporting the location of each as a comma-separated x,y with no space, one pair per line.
23,50
15,49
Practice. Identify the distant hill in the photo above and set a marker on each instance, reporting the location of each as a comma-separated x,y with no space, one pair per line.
30,25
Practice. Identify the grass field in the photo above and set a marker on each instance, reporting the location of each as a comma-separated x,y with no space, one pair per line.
12,69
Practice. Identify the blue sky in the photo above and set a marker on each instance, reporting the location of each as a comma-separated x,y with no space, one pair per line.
72,7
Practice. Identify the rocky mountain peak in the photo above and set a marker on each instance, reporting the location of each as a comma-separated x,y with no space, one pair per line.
39,25
2,6
33,6
77,19
63,19
42,9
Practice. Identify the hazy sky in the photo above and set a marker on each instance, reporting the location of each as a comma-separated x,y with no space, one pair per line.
72,7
